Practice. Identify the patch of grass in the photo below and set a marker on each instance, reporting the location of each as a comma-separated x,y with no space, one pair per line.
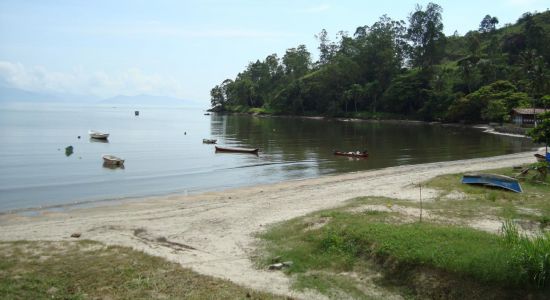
544,221
481,200
85,269
328,284
478,262
531,256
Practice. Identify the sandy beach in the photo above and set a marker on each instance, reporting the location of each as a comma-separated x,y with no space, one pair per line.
213,233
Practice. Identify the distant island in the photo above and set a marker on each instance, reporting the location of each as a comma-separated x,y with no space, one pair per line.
8,94
409,70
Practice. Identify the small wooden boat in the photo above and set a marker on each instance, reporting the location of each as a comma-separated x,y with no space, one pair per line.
112,160
240,150
209,141
357,154
493,180
98,135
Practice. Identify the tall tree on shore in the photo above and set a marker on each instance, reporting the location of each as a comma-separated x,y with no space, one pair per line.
488,24
297,61
327,49
426,35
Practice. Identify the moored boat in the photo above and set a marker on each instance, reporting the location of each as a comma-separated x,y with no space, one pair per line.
493,180
98,134
357,154
112,160
239,150
209,141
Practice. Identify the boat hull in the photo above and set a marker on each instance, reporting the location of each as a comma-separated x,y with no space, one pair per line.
237,150
493,180
112,160
98,135
208,141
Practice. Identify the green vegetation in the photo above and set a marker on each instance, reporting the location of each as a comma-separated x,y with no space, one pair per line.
376,247
477,201
530,255
90,270
410,70
541,132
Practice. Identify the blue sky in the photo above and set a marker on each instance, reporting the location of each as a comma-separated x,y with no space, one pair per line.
184,48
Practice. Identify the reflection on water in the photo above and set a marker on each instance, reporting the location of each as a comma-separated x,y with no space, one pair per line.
113,166
94,140
164,152
389,143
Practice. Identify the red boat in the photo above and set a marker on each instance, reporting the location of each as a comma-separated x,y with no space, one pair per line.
358,154
240,150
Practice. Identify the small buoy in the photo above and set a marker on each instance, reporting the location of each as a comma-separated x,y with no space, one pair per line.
79,137
136,112
185,133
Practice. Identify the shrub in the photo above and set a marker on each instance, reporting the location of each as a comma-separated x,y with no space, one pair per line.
530,255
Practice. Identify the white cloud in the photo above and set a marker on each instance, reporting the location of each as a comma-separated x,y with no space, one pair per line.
80,82
317,9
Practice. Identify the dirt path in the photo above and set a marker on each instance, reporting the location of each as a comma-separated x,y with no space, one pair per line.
212,233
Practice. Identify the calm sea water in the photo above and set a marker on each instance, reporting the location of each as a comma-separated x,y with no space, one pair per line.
164,152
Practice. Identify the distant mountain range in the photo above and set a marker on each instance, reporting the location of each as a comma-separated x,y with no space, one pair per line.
146,100
8,94
17,95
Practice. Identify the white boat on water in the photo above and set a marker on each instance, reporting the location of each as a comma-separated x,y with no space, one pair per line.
112,160
98,135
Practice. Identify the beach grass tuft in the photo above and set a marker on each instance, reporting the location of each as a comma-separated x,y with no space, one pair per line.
480,263
530,255
91,270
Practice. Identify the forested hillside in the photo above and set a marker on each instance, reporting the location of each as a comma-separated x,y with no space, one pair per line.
398,69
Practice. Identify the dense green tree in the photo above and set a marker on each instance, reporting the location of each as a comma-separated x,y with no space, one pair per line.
297,61
536,71
426,35
217,98
406,94
488,24
410,69
382,51
327,50
354,94
478,105
468,71
541,132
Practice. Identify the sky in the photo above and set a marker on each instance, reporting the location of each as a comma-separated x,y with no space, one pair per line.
183,48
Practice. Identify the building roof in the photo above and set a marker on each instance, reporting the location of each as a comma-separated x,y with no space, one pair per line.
529,111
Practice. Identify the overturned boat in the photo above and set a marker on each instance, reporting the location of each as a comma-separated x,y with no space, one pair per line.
493,180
